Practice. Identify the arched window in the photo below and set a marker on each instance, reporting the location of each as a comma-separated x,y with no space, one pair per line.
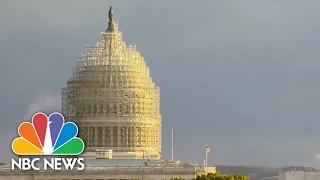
120,109
114,108
108,109
101,108
133,110
94,108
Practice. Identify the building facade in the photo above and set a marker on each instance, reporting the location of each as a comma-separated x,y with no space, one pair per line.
299,175
113,169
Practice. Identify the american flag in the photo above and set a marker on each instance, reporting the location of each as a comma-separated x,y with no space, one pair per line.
207,149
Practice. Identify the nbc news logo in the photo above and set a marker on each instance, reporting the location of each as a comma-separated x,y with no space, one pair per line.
47,136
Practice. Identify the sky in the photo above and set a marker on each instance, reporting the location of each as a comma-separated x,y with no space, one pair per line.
240,76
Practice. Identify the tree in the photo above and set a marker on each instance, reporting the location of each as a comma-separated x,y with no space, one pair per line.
180,178
218,176
240,177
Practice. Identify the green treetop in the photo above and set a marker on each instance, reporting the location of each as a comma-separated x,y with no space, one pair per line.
217,176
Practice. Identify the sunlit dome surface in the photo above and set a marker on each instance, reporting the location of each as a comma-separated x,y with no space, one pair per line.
112,98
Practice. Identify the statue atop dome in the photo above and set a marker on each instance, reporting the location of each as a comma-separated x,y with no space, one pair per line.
110,23
110,14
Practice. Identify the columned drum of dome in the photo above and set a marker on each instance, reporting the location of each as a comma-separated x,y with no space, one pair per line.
113,100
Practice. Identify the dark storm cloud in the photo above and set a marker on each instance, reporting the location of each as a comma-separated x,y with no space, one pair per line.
241,76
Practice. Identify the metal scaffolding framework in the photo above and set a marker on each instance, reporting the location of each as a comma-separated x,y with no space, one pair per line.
112,98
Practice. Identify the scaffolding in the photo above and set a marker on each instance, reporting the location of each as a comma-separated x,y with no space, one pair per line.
112,98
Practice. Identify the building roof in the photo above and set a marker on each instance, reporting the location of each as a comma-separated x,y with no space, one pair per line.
115,163
4,166
122,162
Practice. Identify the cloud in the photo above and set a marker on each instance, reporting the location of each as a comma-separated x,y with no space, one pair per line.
38,13
5,148
44,101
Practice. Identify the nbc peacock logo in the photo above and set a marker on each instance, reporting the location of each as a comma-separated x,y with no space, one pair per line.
47,136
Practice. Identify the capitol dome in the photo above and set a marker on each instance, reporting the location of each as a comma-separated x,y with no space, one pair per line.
113,100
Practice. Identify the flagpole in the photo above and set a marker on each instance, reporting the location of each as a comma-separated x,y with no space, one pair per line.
172,145
206,159
206,155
